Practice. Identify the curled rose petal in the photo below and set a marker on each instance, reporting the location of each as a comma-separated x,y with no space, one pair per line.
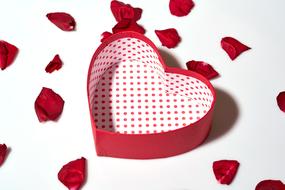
122,11
202,68
168,37
105,35
233,47
72,174
281,101
180,7
55,64
3,153
62,20
8,53
225,170
48,105
270,185
128,25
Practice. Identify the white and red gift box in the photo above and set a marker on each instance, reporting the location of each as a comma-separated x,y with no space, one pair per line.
140,108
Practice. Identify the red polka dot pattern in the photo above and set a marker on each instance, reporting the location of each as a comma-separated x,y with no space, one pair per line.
131,93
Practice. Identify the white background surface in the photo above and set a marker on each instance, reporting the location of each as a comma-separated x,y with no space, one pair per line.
248,126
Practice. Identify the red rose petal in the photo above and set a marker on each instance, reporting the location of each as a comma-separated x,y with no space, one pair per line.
202,68
180,7
281,101
233,47
55,64
3,152
225,170
270,185
138,14
62,20
72,174
8,53
168,37
122,11
105,35
48,105
128,25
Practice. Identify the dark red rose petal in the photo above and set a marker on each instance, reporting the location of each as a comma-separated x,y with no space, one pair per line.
8,53
105,35
168,37
180,7
62,20
270,185
225,170
281,101
48,105
202,68
122,11
128,25
72,174
55,64
3,152
138,14
233,47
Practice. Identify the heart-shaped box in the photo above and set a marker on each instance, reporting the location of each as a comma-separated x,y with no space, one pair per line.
140,108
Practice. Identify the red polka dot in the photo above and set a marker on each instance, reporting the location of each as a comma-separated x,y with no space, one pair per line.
178,84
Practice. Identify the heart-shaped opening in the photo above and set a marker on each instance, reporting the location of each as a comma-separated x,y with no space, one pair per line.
131,91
